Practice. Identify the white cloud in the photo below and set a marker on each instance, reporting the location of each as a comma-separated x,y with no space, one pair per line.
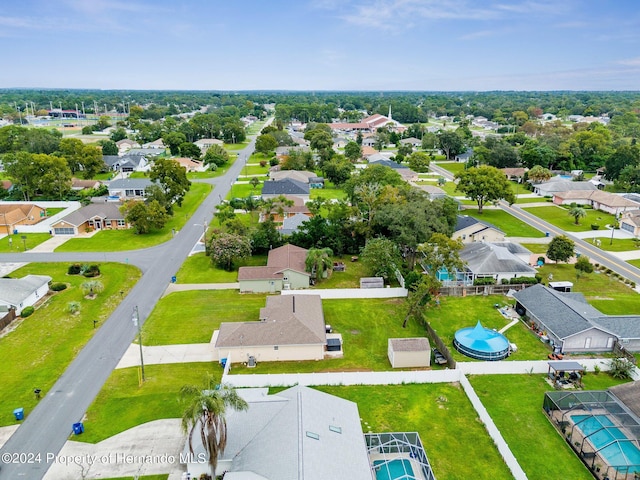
630,62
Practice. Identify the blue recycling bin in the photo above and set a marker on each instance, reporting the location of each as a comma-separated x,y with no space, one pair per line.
78,428
546,234
173,279
18,413
223,362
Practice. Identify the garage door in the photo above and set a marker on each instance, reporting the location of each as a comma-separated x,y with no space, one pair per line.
63,231
627,227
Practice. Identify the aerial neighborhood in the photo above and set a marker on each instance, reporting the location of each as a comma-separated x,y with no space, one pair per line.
288,285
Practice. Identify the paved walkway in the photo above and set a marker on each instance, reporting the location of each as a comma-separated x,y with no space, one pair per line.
165,354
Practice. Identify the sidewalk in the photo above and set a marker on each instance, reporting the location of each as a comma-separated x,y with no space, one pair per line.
166,354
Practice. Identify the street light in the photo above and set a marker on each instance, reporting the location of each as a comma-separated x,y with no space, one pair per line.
136,321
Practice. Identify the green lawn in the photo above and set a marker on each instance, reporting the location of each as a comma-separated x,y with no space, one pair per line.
540,248
52,211
198,269
202,175
559,216
235,147
328,193
531,200
365,326
17,244
604,292
461,312
450,189
255,170
453,167
635,263
444,418
350,278
617,245
192,316
243,190
114,240
123,403
509,224
515,405
42,345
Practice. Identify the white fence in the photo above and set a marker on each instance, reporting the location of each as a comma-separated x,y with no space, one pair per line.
44,226
342,293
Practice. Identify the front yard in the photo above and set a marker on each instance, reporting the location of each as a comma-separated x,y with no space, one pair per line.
36,350
198,269
510,225
559,216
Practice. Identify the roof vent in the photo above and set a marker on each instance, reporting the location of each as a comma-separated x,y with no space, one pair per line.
335,429
313,435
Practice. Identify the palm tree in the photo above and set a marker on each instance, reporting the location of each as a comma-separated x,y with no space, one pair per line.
318,262
205,410
577,213
92,288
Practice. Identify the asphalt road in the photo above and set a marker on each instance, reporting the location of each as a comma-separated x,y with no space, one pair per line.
597,255
32,448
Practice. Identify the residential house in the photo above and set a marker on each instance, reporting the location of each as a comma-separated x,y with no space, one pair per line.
413,141
407,174
156,145
559,184
465,156
14,214
285,270
487,260
282,152
79,184
369,142
150,153
312,434
205,143
291,327
297,207
95,216
630,222
433,191
574,326
126,164
293,223
599,200
409,352
125,145
298,175
190,165
19,293
469,229
129,188
367,151
340,142
288,186
515,174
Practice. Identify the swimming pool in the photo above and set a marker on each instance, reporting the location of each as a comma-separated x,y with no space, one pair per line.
617,454
393,470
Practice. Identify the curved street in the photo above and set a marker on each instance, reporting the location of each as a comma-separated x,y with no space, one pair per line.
48,426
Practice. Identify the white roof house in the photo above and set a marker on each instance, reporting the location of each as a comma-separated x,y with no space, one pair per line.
23,292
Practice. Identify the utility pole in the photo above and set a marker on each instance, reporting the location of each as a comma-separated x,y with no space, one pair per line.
136,321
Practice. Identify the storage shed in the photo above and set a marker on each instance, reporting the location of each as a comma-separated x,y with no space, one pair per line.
409,352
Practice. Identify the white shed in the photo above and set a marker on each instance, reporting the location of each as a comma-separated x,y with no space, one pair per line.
409,352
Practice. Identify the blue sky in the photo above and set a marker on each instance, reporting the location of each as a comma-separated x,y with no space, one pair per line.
321,44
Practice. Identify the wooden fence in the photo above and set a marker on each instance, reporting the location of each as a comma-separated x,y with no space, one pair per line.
7,319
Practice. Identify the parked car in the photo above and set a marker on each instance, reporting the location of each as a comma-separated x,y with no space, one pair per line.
438,357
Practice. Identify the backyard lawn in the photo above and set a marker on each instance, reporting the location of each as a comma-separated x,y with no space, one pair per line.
115,240
509,224
350,278
328,192
36,350
123,404
515,405
365,326
456,443
198,269
559,216
455,313
192,316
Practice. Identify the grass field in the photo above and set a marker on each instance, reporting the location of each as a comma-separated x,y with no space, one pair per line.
515,405
123,404
192,316
242,190
540,248
444,418
198,269
365,326
453,167
350,278
509,224
617,245
531,200
114,240
328,193
15,243
461,312
635,263
36,350
560,217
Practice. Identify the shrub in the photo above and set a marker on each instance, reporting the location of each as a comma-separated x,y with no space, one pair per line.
58,286
504,281
595,226
538,278
26,311
74,269
273,162
584,265
485,281
263,163
633,284
525,280
619,368
91,271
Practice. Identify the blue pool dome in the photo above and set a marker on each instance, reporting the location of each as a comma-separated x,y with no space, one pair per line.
481,343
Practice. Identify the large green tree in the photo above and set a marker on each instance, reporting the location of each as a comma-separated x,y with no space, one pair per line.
205,407
450,143
353,151
216,155
227,248
381,257
172,178
484,184
318,262
266,144
560,249
83,159
145,216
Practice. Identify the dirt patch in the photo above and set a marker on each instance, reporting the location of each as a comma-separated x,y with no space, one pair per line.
354,332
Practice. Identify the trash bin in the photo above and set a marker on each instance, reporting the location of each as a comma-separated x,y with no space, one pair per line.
78,428
223,362
18,413
546,234
173,279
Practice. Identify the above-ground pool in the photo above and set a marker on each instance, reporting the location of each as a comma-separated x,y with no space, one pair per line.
617,454
397,469
481,343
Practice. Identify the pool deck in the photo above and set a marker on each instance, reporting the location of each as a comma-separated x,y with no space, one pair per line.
415,466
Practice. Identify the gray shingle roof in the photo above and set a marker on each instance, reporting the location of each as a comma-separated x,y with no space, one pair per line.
623,326
464,221
13,291
106,210
132,183
285,187
419,344
293,223
487,259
